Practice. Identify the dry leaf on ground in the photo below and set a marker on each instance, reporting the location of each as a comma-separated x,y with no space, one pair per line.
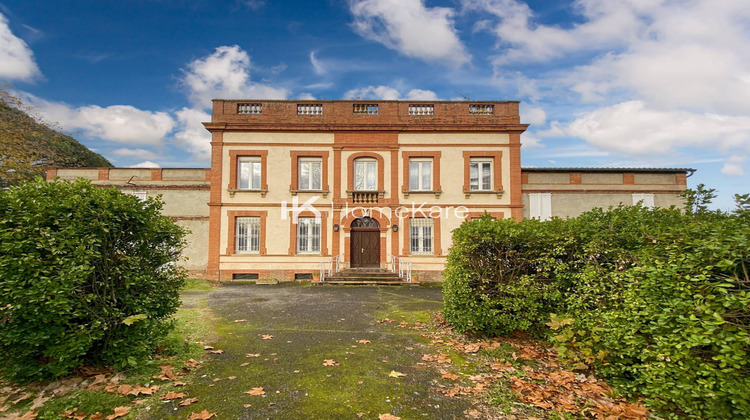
395,374
119,412
203,415
267,337
172,396
256,391
187,401
330,362
388,417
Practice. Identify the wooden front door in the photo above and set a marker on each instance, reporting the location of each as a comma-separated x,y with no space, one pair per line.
365,247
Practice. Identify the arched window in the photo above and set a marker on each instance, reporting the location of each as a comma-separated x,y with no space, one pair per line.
365,174
368,222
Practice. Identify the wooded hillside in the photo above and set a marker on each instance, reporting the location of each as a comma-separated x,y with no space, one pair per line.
28,146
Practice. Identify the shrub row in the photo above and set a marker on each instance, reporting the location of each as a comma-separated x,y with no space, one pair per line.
657,300
87,274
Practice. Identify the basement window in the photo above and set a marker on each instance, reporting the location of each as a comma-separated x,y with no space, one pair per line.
245,276
303,276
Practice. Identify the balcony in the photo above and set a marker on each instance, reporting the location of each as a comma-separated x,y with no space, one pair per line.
365,196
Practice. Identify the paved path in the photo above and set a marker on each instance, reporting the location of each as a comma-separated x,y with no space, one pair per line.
311,324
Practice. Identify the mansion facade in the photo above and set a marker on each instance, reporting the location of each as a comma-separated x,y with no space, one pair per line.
296,183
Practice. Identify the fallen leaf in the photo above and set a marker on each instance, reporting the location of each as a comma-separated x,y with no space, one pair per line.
388,417
244,364
203,415
172,396
25,396
240,320
266,337
232,377
187,401
252,355
395,374
38,402
29,415
179,384
363,341
208,347
451,376
74,414
330,362
247,405
97,416
256,391
119,412
216,351
192,363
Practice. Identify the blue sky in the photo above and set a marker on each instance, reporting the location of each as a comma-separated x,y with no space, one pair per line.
618,83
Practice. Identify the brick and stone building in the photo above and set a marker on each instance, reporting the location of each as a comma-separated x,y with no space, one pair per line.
363,183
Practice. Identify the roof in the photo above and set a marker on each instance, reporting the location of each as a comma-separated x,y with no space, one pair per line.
650,170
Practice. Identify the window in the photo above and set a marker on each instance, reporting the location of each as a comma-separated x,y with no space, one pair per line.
540,206
310,170
247,235
365,174
420,174
646,199
420,235
248,173
480,175
141,195
308,235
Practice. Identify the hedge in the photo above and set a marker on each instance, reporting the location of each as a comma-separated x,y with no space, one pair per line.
87,275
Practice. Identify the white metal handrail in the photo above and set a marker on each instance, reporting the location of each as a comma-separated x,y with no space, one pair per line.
331,266
401,266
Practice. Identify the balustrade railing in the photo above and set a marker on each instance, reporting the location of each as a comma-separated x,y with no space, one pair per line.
330,266
401,267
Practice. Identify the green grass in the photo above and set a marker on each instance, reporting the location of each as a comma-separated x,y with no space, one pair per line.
192,324
199,285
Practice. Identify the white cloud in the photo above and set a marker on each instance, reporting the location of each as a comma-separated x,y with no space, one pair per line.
306,96
632,127
191,135
225,74
421,95
387,93
118,123
15,55
318,67
733,167
532,115
137,153
410,28
145,164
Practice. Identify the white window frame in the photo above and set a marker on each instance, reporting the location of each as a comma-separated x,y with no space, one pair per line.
308,235
422,163
139,194
250,182
366,164
422,236
310,174
540,206
479,163
646,198
247,235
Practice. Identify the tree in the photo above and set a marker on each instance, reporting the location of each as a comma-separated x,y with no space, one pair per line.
698,199
28,144
87,275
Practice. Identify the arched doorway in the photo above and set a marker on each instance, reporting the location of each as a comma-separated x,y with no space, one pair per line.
365,242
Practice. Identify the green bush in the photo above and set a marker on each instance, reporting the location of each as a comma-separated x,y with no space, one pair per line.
657,300
87,274
496,281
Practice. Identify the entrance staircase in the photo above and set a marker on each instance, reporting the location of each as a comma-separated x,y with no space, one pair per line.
360,276
334,271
